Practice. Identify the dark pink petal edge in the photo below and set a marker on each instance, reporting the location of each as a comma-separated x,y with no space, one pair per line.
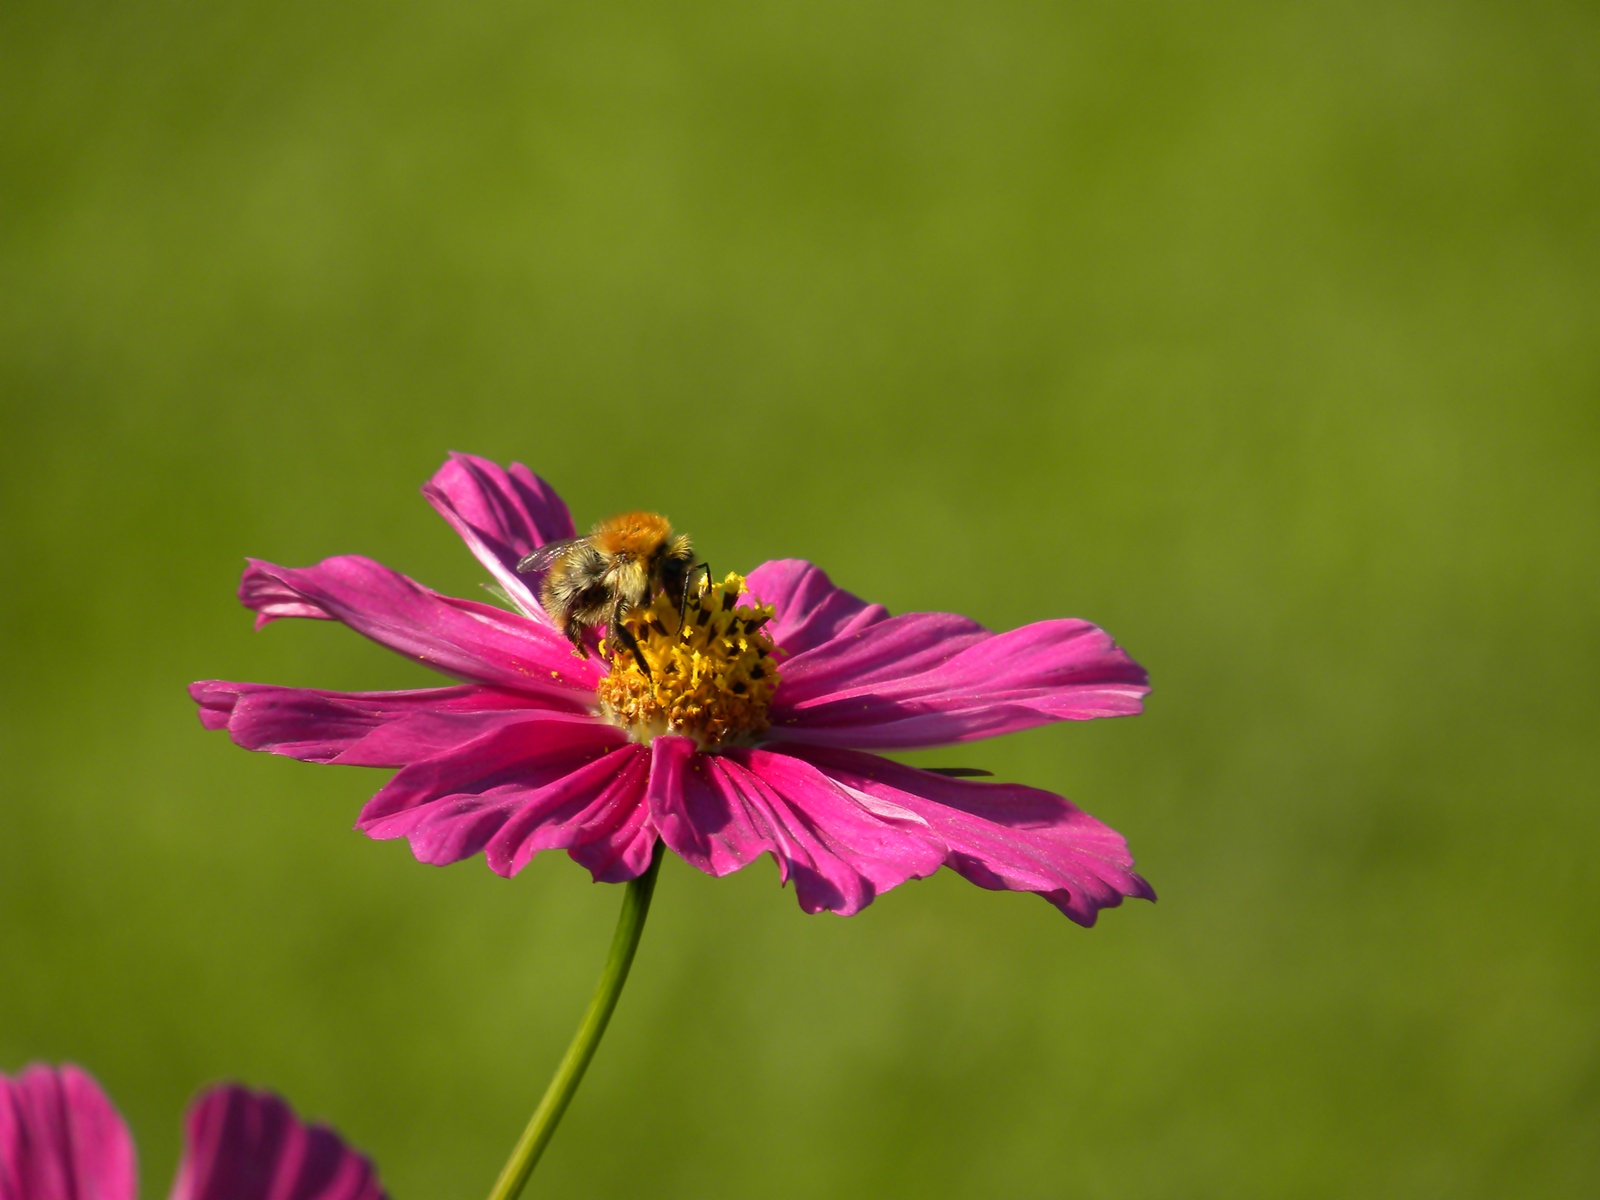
61,1139
721,811
547,781
476,642
362,729
1000,835
810,609
859,678
244,1145
847,827
502,514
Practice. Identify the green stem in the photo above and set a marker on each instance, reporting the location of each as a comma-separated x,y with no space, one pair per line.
630,924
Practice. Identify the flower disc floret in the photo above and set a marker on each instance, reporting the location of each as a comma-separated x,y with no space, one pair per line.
711,680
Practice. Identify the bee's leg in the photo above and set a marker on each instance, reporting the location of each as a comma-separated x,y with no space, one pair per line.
621,635
683,601
574,632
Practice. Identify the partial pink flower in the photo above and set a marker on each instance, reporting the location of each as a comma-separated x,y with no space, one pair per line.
61,1139
535,749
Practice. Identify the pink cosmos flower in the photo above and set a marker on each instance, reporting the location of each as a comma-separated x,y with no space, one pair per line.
753,734
61,1139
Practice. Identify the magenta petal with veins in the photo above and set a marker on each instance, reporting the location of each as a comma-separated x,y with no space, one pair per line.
60,1139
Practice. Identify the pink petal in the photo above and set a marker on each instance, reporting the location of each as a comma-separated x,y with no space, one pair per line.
810,609
60,1139
841,848
476,642
895,649
501,514
1002,835
242,1145
549,780
362,729
702,811
927,679
597,814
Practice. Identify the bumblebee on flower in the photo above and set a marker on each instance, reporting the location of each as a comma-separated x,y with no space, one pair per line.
728,720
599,579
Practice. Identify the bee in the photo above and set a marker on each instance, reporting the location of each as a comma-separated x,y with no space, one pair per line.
599,579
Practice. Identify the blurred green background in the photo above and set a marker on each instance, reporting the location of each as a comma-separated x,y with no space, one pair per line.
1266,336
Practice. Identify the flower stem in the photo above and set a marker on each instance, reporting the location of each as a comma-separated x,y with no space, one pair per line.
542,1127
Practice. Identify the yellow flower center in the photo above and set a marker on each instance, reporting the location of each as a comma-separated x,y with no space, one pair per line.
712,680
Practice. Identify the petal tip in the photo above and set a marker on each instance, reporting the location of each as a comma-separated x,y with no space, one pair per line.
216,702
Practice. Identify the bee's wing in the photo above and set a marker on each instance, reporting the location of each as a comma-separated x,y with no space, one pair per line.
546,554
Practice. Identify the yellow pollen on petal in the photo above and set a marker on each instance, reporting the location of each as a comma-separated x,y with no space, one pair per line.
711,681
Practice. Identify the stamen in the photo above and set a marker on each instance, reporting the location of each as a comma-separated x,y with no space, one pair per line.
712,682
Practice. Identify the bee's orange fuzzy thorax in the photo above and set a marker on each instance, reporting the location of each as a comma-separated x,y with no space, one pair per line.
636,533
